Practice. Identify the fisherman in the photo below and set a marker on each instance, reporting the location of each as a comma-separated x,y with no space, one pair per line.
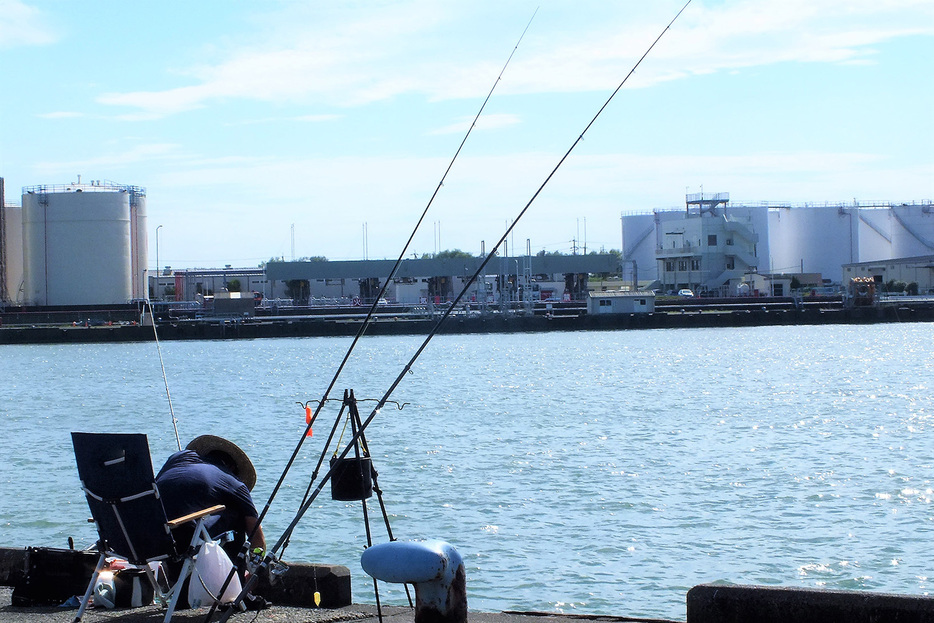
209,471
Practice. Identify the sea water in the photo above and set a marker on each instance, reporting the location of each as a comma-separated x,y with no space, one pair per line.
587,472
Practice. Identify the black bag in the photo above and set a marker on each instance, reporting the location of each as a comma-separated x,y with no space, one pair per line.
133,588
51,576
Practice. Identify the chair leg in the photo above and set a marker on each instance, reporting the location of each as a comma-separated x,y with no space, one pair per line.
87,594
159,594
176,591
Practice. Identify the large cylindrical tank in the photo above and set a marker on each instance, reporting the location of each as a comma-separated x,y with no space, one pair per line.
81,244
12,254
139,243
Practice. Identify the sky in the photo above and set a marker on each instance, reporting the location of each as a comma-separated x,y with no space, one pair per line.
288,129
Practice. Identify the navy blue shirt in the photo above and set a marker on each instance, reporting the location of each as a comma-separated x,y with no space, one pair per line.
188,484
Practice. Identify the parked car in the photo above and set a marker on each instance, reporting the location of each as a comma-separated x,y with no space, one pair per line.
686,293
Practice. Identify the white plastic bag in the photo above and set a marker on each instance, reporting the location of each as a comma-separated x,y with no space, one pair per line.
212,566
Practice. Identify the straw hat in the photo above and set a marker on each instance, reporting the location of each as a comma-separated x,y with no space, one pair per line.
244,470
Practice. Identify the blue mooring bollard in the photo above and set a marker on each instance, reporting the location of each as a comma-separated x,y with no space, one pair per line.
434,567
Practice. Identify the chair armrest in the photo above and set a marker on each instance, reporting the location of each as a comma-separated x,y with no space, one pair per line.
174,523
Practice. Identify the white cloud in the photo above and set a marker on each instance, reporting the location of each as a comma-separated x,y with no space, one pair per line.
22,25
351,57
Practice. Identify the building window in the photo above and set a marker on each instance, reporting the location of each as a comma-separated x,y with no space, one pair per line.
730,262
682,265
695,264
605,302
729,242
712,240
669,266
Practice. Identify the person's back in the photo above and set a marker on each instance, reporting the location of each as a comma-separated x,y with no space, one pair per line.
187,483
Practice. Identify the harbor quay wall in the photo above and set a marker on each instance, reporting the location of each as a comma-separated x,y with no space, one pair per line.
718,603
295,588
705,603
301,326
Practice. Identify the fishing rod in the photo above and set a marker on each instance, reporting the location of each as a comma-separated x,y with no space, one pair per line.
270,558
165,379
372,311
368,319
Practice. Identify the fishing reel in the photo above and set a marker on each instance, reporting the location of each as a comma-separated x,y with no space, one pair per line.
272,571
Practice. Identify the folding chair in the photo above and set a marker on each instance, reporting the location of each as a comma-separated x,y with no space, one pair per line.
117,478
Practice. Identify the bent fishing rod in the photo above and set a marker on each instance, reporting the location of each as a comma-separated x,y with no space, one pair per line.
369,316
270,556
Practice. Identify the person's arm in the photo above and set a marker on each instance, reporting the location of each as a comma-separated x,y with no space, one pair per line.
258,539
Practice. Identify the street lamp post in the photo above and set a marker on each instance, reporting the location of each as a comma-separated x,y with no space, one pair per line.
158,295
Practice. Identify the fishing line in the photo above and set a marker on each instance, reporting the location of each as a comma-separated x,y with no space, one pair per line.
165,379
270,556
368,319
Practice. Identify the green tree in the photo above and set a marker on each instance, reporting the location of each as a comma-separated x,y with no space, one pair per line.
233,285
452,254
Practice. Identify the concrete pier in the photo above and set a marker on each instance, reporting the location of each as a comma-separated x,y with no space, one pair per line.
716,603
293,601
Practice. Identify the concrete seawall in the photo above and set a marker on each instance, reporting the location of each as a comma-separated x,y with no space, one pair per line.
304,326
715,603
293,599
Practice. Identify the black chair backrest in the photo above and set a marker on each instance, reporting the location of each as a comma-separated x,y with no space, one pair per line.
116,472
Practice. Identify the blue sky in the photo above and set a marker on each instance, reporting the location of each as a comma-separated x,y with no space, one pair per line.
246,121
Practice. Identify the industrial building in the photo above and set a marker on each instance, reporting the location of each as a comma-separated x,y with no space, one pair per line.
190,284
716,247
526,278
523,279
908,270
621,302
75,244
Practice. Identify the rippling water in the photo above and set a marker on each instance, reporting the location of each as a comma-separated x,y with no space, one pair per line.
603,472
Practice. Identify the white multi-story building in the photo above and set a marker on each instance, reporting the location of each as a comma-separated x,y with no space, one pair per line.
716,247
710,249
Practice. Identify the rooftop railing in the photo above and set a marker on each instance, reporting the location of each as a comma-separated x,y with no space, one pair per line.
100,186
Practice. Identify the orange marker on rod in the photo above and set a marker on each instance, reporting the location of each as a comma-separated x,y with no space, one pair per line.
308,420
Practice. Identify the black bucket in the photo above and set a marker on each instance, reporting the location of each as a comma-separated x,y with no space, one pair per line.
351,478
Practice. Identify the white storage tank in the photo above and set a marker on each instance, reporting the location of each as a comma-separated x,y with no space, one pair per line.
12,254
84,244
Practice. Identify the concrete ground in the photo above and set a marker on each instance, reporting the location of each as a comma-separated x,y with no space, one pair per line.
364,613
